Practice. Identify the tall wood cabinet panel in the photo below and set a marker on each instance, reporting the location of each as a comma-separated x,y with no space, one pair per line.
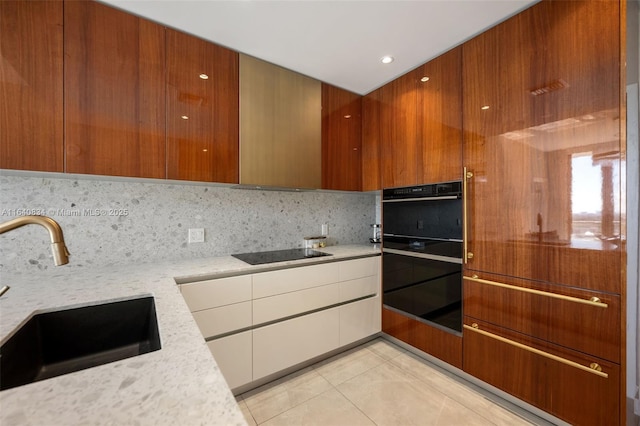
440,118
541,137
114,92
341,139
542,145
371,156
202,110
31,77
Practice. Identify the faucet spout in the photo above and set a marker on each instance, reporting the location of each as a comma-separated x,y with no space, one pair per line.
58,247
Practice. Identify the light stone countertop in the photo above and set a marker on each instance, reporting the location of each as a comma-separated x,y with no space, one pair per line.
178,384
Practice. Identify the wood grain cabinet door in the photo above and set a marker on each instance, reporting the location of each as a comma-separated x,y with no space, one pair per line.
584,320
400,149
341,139
570,385
371,126
31,81
440,118
541,137
114,92
202,110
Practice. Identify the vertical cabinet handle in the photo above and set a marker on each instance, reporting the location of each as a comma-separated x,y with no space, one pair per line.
465,248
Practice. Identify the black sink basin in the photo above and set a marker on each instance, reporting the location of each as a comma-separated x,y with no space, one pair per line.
56,343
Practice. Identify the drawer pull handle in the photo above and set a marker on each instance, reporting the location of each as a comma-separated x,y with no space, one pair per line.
594,301
593,368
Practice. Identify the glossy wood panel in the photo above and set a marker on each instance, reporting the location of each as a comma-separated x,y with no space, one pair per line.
585,328
280,126
442,345
341,139
400,148
31,85
114,92
202,113
371,142
545,154
440,118
574,395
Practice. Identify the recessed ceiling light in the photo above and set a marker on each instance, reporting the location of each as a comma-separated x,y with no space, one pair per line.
184,117
424,79
205,150
484,107
347,116
386,59
204,76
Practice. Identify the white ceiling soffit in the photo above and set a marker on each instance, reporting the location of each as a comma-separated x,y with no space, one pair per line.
339,42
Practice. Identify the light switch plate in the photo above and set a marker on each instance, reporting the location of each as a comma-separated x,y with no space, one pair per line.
196,235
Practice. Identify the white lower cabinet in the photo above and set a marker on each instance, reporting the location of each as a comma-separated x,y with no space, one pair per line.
287,343
233,355
309,311
360,319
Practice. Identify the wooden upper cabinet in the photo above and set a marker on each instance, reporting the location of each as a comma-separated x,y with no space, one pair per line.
202,110
341,139
371,161
114,92
31,123
280,126
440,118
417,122
399,148
541,137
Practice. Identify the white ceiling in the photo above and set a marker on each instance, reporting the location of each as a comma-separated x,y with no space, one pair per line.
339,42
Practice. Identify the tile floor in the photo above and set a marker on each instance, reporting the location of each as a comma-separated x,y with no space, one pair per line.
377,383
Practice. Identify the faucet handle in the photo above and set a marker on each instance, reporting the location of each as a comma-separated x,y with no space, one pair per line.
4,289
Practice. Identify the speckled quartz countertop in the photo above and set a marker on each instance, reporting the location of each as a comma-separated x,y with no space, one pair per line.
178,384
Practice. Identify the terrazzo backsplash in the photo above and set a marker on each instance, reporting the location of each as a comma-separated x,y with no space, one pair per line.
110,222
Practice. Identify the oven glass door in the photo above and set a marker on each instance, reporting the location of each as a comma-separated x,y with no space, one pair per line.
426,289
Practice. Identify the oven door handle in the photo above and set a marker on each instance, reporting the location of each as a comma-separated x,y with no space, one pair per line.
423,255
401,200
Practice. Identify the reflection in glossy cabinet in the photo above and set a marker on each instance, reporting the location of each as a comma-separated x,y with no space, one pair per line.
114,92
31,80
202,110
541,137
341,141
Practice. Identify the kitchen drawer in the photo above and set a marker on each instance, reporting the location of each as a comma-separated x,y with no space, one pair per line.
361,287
287,280
219,292
358,268
552,378
287,343
233,356
216,321
359,320
561,315
289,304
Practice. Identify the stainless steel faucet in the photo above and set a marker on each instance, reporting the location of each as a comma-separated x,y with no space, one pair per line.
58,248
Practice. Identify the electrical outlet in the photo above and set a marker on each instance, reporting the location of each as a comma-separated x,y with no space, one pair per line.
325,229
196,235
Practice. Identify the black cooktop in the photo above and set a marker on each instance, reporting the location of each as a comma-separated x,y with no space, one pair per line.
273,256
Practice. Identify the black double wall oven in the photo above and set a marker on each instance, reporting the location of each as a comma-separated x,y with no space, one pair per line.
422,253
